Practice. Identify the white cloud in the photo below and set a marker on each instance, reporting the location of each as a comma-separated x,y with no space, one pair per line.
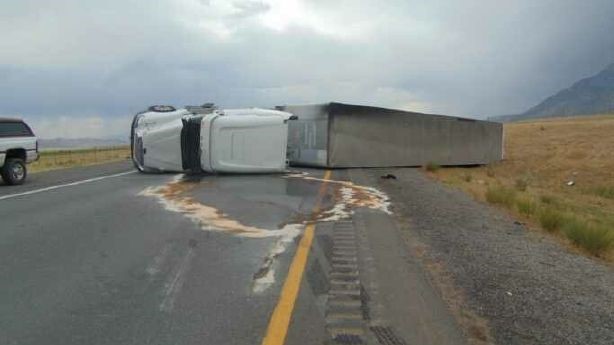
333,22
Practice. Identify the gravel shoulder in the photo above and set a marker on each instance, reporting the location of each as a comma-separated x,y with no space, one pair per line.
505,283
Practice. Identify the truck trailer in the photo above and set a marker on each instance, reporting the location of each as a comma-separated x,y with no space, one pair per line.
337,135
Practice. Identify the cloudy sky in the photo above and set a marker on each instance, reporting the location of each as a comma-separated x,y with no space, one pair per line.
76,68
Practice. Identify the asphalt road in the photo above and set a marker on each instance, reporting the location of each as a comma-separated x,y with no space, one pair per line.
105,255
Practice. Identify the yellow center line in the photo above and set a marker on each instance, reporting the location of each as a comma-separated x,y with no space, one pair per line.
280,319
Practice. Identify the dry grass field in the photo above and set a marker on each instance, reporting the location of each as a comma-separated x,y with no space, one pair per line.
558,175
59,159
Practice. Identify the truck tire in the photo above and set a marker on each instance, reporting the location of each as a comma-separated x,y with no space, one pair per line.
14,171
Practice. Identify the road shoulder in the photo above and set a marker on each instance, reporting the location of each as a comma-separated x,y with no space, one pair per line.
403,304
494,273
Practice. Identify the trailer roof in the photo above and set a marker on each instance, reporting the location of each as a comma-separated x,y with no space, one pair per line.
358,109
10,119
337,107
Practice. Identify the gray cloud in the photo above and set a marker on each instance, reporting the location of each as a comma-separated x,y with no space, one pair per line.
474,58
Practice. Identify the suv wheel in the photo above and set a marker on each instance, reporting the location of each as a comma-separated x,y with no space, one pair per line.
14,171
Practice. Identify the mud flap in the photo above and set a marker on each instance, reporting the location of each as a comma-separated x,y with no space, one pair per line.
190,144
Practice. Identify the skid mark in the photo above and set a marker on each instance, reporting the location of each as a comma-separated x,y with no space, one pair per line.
156,265
347,197
173,286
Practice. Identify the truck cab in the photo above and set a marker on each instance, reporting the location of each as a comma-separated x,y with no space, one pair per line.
18,147
206,139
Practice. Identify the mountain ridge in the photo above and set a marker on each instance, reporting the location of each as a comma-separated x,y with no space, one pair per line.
588,96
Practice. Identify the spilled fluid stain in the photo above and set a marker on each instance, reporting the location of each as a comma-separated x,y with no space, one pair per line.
347,197
173,197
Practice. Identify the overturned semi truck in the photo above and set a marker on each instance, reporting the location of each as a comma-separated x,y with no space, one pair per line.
338,135
332,135
205,139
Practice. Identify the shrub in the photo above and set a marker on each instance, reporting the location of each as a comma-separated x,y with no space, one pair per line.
490,171
501,196
596,239
551,220
432,167
467,177
526,207
521,184
547,199
606,192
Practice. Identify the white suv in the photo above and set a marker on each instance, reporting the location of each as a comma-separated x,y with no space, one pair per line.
18,146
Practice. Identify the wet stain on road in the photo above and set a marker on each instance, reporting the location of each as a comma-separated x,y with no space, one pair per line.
347,197
343,198
173,196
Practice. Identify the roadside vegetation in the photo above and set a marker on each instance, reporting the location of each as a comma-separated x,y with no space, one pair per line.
60,159
558,175
431,167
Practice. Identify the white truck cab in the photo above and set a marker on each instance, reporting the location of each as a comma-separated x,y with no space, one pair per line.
18,146
206,139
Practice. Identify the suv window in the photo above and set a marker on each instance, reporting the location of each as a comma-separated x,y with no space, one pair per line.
14,129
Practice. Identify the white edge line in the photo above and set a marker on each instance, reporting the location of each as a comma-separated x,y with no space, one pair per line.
76,183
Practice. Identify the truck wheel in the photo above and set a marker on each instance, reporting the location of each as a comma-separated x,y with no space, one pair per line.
14,171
